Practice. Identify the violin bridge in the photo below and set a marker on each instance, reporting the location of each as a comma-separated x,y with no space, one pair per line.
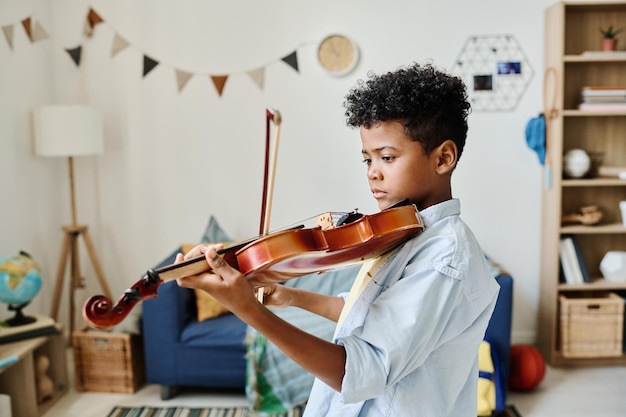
325,221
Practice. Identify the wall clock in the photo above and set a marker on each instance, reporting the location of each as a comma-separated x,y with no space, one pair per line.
337,54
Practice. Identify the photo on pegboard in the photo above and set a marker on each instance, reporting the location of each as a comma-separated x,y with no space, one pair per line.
495,70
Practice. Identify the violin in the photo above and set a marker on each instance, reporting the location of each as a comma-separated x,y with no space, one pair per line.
277,257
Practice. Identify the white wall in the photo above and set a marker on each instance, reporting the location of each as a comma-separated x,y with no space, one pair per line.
174,158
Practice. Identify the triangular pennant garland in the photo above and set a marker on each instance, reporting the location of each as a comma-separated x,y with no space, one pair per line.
26,24
8,34
148,64
119,44
38,33
292,60
181,79
75,54
35,32
219,81
258,76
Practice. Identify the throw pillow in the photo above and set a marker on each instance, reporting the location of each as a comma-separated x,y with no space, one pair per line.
207,306
214,232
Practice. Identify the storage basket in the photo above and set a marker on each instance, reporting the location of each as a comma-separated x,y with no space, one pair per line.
592,327
108,362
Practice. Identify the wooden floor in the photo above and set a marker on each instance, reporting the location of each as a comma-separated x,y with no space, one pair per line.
575,392
566,392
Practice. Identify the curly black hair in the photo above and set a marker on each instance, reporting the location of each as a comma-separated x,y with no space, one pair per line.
432,105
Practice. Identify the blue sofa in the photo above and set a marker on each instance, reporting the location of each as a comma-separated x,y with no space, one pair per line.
182,352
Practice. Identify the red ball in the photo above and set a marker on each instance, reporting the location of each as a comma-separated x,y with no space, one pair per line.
526,368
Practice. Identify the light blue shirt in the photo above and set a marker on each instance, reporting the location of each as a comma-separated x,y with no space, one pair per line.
412,336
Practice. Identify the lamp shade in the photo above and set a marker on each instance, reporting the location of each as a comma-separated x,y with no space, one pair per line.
72,130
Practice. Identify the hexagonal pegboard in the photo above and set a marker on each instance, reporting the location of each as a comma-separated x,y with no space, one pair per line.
495,70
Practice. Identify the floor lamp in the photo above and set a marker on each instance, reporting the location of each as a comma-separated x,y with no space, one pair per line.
70,131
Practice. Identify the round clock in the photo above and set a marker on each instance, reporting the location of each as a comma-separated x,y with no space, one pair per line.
337,54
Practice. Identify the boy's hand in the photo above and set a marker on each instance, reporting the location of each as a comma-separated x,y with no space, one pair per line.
275,295
223,281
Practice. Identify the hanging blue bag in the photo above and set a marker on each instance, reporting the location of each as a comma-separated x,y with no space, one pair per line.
536,136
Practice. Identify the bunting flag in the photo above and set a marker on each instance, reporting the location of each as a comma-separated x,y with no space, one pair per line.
8,34
292,60
93,19
35,32
148,64
38,33
258,76
75,54
181,79
219,81
118,45
26,24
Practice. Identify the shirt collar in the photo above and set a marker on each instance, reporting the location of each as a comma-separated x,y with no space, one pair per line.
431,215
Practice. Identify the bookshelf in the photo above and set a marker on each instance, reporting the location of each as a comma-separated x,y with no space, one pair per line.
572,43
19,379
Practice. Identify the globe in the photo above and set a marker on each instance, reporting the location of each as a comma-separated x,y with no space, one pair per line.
20,282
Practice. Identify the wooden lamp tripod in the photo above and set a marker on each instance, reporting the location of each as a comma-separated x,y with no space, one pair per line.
70,131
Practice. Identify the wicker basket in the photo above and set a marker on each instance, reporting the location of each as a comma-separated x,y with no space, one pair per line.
592,327
108,362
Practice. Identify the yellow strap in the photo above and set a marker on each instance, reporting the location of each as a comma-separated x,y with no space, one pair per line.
363,278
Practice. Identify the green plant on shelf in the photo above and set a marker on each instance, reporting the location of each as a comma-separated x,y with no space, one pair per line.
610,32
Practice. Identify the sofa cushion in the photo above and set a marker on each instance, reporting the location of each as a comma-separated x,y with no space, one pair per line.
225,330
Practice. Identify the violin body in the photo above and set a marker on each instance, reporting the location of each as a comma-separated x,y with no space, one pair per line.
352,243
275,258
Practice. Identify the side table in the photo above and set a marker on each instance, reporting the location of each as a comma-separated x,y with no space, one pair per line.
18,379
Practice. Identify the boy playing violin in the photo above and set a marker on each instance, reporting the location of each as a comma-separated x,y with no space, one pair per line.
408,333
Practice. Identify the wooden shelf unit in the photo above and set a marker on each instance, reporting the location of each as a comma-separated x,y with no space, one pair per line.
19,379
571,30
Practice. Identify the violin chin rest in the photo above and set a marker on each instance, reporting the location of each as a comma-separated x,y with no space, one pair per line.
349,218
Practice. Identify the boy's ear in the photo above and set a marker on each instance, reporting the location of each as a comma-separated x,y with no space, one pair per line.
447,155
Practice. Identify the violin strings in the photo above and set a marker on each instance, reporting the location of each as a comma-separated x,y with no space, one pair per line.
300,223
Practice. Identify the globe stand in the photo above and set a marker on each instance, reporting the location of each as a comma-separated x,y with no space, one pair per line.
19,319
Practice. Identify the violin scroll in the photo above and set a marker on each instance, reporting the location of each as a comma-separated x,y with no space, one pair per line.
100,313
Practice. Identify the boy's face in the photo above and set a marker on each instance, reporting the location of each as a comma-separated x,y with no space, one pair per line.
398,168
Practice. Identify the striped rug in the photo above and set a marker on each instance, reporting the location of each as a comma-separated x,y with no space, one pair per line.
195,412
510,411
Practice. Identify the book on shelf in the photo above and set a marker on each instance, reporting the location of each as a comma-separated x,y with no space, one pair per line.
602,54
572,261
604,99
42,326
603,107
582,265
567,264
602,90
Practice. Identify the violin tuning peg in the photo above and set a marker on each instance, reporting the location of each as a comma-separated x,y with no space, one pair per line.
132,294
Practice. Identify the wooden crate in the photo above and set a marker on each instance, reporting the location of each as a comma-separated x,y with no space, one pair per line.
108,362
592,327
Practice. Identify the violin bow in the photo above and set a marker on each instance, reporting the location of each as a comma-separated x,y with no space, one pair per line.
271,115
270,168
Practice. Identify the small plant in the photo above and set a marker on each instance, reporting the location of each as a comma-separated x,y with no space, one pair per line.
610,33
